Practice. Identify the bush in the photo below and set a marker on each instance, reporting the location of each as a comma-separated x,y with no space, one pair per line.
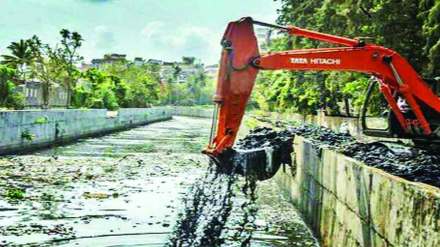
9,98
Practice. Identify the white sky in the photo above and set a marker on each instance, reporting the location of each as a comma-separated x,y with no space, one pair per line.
161,29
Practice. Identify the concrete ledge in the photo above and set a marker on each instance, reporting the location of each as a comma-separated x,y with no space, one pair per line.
347,203
195,111
23,131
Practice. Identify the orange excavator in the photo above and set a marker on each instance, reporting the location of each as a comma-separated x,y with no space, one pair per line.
414,102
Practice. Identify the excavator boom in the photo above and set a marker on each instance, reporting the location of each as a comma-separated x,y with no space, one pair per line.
241,61
236,78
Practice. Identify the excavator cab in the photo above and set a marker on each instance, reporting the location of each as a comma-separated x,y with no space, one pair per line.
386,125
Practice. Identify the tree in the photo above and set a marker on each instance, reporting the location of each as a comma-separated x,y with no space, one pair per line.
56,66
68,54
416,26
176,71
136,86
98,92
20,57
47,68
8,96
431,30
188,60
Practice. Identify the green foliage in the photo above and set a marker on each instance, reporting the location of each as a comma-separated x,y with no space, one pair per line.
55,66
431,29
20,57
31,58
15,194
9,98
41,120
188,60
135,86
27,135
97,91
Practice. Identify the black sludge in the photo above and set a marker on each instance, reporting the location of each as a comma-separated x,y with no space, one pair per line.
411,163
207,208
260,154
206,219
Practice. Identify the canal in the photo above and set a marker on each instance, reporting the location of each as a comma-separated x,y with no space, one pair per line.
123,189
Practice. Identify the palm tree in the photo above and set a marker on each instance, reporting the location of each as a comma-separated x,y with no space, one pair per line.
21,55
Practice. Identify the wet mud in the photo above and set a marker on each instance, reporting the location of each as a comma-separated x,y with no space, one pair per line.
411,163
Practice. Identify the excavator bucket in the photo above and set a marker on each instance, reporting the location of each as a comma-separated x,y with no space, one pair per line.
235,81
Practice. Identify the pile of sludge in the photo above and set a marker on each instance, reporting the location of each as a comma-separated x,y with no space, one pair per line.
413,164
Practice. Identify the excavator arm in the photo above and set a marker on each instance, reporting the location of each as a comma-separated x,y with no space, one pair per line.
241,61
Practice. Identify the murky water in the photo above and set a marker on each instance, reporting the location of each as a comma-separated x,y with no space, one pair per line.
123,189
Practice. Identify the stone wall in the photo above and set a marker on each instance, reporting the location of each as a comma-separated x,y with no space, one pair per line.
25,130
347,203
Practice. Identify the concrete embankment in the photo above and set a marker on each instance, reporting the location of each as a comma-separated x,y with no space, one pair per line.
188,111
31,129
347,203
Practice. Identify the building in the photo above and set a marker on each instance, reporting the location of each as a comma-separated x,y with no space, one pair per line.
168,71
155,61
97,63
33,93
138,61
108,59
84,67
211,70
114,58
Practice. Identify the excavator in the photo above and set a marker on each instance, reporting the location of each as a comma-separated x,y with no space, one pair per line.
414,102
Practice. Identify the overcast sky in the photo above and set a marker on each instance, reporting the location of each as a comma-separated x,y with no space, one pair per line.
161,29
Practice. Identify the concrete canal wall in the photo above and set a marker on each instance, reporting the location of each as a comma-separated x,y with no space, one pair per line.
195,111
30,129
347,203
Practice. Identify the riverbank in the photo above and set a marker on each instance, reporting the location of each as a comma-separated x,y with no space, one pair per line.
23,131
28,130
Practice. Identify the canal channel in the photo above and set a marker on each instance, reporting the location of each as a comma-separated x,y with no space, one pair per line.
123,189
